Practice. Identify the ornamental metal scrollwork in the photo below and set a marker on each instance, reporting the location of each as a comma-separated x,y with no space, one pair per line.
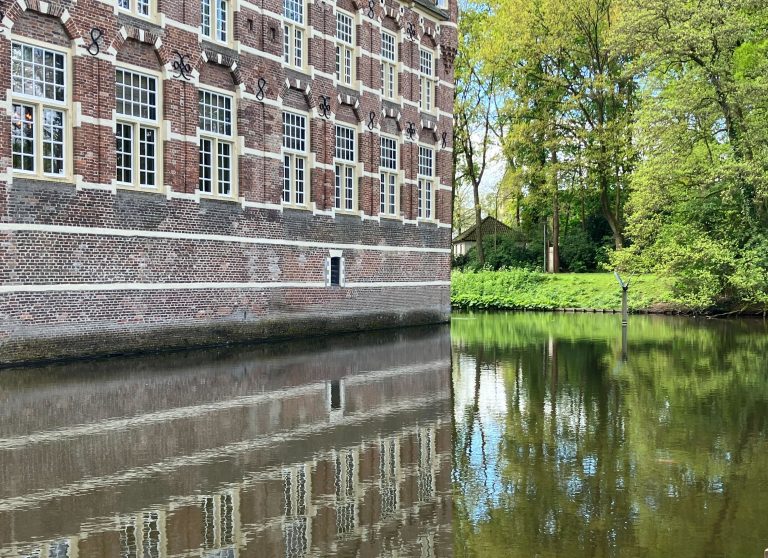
371,9
324,106
410,31
182,66
410,130
371,120
261,83
94,48
445,139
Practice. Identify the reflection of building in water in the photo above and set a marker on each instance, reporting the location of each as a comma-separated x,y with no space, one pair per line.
140,536
345,482
296,526
355,465
219,525
389,459
426,441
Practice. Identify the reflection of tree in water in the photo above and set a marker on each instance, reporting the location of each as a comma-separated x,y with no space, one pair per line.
584,458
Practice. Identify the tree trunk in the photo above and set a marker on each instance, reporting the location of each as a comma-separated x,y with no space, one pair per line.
605,205
478,222
555,216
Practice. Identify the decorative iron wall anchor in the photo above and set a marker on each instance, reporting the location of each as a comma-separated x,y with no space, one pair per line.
410,31
325,106
182,66
410,130
371,9
94,48
371,120
445,139
261,92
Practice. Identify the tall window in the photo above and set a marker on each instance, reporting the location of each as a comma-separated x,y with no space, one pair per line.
214,22
388,65
136,7
294,158
293,33
344,48
388,172
216,143
344,166
39,104
136,130
426,182
427,78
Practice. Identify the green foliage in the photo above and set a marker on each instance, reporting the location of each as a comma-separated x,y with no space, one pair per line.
520,289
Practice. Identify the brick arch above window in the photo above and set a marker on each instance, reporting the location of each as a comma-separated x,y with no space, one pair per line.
129,40
139,53
47,23
219,70
391,21
428,41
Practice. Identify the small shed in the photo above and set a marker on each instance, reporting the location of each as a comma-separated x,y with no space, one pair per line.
466,240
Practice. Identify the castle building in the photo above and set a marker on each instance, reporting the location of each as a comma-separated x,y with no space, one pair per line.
178,173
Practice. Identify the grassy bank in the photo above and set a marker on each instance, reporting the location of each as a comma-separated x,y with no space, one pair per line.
527,290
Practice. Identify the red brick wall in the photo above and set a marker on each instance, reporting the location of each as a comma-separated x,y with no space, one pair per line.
34,256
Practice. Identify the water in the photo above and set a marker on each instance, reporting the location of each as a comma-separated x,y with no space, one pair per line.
568,446
505,435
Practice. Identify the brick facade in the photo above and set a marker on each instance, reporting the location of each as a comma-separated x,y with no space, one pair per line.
91,263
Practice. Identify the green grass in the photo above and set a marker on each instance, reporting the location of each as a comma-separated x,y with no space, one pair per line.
528,290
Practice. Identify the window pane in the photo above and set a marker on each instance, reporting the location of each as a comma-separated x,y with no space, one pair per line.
206,165
124,140
23,137
205,17
215,112
224,168
147,154
37,72
53,141
135,94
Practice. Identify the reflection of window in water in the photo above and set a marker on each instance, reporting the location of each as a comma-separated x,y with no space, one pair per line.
59,549
427,545
426,475
388,471
219,525
295,524
56,549
346,489
141,539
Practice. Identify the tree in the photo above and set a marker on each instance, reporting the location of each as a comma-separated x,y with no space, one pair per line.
473,111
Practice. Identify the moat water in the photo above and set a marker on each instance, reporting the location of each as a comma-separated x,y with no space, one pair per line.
514,435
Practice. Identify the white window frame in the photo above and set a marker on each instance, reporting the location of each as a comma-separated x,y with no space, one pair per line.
138,8
295,162
389,177
345,48
40,105
216,20
344,163
427,81
295,33
219,143
426,183
137,124
389,74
